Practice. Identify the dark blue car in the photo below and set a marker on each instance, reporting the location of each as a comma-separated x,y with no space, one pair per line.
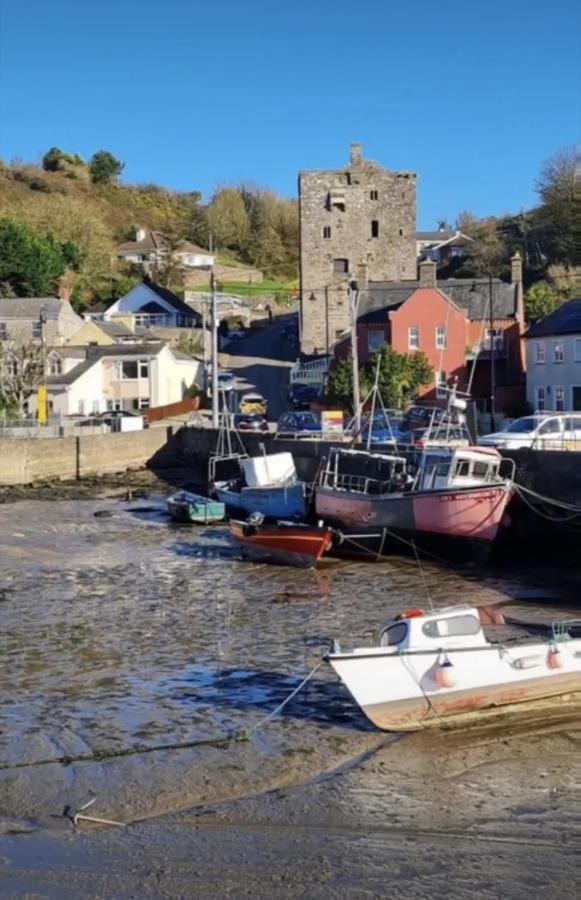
302,395
384,430
299,424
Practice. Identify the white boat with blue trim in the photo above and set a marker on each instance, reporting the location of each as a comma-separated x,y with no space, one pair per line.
438,667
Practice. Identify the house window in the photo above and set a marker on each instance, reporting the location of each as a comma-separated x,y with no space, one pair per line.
539,352
143,368
558,352
494,339
143,403
3,331
10,367
441,384
55,366
373,195
441,337
37,330
577,346
340,266
128,369
374,228
540,398
375,340
414,337
327,231
559,398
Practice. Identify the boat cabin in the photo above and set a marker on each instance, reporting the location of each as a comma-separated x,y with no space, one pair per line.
457,467
441,629
359,471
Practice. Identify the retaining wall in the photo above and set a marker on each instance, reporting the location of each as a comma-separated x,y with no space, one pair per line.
27,461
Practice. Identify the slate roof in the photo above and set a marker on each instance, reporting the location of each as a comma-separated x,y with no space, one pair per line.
566,319
434,235
94,354
471,294
115,329
156,240
172,299
30,307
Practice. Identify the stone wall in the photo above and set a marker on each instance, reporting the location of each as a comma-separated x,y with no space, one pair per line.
362,214
29,460
223,274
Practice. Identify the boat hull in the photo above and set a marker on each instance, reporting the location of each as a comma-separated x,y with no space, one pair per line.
195,509
273,502
300,546
469,515
400,692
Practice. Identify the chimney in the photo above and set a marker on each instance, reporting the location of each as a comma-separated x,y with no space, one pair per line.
516,269
427,273
356,155
362,276
140,234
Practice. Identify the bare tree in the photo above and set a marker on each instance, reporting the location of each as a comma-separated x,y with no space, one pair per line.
22,370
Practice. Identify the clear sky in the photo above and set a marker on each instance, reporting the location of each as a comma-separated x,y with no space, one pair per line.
473,96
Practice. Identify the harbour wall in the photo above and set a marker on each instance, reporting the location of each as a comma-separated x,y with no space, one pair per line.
28,460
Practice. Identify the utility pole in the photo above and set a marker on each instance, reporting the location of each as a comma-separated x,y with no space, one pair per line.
353,298
492,349
215,388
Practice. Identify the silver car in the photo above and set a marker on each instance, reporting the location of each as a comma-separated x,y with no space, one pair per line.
541,431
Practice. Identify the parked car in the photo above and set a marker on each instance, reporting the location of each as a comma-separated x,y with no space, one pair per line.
384,430
542,431
302,395
253,403
299,424
421,417
250,422
226,382
446,436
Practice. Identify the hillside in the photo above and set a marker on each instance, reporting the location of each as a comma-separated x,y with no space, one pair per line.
249,226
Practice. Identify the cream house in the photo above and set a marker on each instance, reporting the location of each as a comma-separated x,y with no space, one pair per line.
90,380
152,247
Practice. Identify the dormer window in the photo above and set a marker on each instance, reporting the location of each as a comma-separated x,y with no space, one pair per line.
55,366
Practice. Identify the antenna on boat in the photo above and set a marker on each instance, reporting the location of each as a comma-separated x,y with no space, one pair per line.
423,577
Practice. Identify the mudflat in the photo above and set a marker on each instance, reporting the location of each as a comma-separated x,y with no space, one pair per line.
139,664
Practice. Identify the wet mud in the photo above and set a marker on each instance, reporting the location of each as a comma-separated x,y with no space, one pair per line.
139,662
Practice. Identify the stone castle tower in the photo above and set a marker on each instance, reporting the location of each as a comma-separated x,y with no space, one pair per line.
355,223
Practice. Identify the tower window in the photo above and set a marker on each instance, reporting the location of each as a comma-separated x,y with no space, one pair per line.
374,228
401,232
327,231
340,266
373,195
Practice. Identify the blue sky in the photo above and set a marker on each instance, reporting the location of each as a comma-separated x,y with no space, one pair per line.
191,95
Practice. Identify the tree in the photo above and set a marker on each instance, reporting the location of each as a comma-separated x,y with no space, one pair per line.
401,375
541,299
556,187
340,384
30,263
105,167
228,219
52,160
22,370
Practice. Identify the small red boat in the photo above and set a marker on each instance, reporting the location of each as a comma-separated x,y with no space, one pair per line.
285,543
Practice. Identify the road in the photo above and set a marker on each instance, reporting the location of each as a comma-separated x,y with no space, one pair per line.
262,361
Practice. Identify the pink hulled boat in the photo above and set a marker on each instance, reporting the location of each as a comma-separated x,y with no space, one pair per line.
455,499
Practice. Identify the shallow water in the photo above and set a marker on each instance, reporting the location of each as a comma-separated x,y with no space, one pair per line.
121,631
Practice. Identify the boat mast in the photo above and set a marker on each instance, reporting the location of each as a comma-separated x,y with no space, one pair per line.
353,300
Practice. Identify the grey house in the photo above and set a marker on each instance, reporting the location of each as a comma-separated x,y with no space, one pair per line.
554,359
26,319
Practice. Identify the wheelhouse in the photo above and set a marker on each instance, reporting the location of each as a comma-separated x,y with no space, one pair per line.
441,629
458,467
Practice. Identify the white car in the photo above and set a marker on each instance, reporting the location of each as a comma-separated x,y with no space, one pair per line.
542,431
226,382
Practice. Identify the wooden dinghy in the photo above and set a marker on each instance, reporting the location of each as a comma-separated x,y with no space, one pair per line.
283,543
187,507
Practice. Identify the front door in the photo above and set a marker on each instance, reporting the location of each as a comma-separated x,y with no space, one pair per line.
576,398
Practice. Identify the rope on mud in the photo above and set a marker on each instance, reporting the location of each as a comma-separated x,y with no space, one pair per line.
574,512
392,534
241,734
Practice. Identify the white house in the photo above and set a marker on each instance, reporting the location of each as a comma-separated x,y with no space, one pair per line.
554,359
151,247
151,304
93,379
441,245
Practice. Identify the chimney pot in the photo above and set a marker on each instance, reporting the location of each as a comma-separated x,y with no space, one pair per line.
516,268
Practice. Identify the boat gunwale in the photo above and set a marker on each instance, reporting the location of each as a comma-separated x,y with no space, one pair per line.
330,657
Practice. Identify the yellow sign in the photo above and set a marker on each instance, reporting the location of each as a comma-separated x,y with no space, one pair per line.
42,401
332,420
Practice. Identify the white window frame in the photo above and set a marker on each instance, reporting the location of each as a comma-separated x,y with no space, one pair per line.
561,344
143,403
441,337
441,384
55,366
143,364
577,350
540,353
416,330
494,337
540,399
561,389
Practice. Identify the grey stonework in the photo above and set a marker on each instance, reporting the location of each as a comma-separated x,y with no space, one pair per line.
363,214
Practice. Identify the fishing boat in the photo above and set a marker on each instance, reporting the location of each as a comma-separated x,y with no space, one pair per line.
284,543
266,484
435,668
453,499
187,507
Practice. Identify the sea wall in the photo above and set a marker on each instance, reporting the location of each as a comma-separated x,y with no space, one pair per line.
25,461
